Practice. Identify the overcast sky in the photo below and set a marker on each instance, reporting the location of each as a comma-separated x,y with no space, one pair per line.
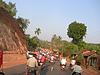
54,16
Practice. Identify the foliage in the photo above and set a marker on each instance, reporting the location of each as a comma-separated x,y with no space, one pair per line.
68,48
63,46
23,23
73,48
95,47
33,42
76,31
44,44
81,45
38,31
56,42
10,7
80,57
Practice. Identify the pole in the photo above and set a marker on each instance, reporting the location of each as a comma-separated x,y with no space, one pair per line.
1,60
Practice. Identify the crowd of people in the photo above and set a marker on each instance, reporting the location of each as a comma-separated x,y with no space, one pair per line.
36,62
39,58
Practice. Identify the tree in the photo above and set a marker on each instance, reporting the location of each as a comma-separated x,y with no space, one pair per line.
56,41
10,7
64,48
81,45
95,47
36,41
44,44
33,42
76,31
73,48
23,23
38,31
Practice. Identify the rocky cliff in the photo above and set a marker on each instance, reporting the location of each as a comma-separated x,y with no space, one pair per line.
11,35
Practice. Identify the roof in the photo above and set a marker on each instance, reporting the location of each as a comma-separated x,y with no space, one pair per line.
88,52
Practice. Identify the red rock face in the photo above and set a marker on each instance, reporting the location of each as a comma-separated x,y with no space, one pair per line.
11,35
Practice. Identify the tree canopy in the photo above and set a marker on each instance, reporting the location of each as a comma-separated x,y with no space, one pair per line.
11,9
37,31
56,41
33,42
23,23
76,31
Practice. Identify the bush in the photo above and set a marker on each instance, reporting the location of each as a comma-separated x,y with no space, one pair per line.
80,57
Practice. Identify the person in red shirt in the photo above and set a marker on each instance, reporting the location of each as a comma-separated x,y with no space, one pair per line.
43,59
42,62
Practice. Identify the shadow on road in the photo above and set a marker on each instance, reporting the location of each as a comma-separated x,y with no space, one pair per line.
16,70
45,70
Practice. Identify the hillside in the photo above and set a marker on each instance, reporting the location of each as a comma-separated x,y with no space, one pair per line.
11,35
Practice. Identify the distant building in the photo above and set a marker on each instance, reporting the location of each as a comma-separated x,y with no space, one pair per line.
11,35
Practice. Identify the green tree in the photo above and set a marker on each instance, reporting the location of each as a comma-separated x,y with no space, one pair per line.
76,31
36,41
37,31
64,48
95,47
10,7
81,45
33,42
23,23
44,44
68,48
56,41
73,48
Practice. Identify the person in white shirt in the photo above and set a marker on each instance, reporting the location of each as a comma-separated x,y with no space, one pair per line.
63,61
73,62
77,70
52,58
